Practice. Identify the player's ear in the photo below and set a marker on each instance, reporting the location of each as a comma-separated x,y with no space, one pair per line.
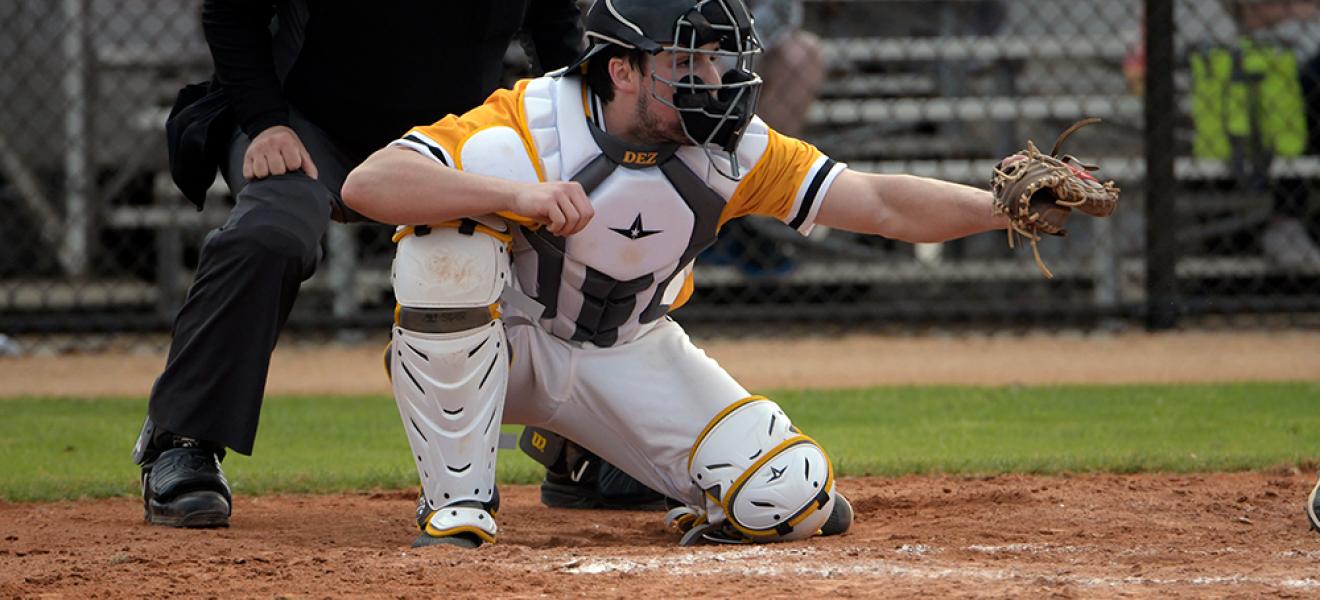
625,75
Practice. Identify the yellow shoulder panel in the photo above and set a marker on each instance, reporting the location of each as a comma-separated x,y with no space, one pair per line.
772,185
503,108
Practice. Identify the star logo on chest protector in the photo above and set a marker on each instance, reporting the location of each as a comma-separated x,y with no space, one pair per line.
635,231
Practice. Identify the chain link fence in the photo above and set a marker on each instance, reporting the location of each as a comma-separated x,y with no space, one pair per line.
1209,128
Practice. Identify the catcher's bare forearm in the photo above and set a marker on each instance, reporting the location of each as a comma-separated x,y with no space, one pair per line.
401,187
907,207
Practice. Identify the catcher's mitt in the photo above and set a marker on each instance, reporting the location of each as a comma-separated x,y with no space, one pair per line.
1037,192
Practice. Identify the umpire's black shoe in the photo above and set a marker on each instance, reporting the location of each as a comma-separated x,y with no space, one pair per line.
182,484
185,487
598,484
1313,507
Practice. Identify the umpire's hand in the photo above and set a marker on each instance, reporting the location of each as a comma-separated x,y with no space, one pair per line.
276,151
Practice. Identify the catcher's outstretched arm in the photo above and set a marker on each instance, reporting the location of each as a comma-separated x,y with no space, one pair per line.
907,208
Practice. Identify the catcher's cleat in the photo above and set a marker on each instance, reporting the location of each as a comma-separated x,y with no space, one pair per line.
594,483
424,509
561,491
841,517
1313,507
691,522
462,540
184,487
463,524
577,478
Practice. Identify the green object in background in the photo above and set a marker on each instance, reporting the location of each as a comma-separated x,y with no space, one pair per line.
1245,93
59,448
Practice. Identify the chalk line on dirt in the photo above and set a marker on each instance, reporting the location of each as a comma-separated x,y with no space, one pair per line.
770,562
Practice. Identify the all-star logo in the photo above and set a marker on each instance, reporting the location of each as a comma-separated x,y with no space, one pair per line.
635,231
776,473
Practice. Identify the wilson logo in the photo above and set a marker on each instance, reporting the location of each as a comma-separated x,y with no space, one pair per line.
538,441
639,158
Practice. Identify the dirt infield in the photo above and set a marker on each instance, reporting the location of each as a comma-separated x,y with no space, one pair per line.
1239,535
1216,535
836,362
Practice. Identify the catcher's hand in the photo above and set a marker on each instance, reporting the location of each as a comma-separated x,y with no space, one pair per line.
1037,192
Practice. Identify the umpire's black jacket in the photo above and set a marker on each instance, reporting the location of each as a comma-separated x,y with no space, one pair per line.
338,62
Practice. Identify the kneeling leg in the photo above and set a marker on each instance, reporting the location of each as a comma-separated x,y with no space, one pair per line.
449,365
762,479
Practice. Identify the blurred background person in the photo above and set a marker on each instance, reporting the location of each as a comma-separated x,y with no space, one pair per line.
1289,237
1292,26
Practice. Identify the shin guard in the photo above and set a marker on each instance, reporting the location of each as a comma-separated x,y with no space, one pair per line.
449,367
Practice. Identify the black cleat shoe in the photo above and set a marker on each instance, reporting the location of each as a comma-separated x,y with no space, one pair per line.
462,540
184,487
424,509
599,485
429,536
466,524
1313,507
577,478
841,517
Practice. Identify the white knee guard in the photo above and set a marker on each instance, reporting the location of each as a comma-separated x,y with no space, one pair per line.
770,482
449,368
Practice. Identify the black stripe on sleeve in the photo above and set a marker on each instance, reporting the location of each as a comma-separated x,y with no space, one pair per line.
434,151
809,198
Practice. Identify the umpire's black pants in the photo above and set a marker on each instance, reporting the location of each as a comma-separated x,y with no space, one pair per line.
247,278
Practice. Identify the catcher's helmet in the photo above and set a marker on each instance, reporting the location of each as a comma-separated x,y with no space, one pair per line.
712,113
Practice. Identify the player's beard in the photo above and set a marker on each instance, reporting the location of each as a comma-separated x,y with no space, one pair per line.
651,131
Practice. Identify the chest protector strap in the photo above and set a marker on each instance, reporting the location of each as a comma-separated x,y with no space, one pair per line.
705,204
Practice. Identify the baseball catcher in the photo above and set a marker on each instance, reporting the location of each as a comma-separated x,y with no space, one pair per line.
545,237
1037,191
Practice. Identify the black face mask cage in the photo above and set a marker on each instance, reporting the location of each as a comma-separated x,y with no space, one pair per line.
714,114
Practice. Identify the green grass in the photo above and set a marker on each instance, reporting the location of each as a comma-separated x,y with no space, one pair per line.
1125,429
52,448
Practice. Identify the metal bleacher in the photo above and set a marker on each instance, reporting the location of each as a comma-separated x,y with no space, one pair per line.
891,105
888,108
864,92
943,104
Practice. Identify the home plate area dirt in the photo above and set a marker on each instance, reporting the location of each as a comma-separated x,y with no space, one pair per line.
1217,535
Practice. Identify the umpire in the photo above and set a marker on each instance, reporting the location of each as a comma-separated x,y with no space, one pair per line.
303,91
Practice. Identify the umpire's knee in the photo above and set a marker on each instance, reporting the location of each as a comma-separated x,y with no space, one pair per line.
279,221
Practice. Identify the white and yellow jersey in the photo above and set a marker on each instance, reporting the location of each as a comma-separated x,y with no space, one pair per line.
656,208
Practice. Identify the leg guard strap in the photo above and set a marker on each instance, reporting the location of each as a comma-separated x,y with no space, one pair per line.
443,320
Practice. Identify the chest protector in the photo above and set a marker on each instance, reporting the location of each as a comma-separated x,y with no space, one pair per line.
654,215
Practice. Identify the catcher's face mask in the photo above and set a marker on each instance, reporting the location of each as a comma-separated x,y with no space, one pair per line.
713,114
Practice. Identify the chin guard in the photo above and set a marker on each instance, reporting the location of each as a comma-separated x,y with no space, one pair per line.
720,118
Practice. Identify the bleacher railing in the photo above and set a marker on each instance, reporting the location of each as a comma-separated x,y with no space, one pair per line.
97,240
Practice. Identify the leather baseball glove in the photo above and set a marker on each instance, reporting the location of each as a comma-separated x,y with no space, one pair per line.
1038,191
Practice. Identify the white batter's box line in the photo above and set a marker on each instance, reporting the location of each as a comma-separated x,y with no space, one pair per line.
1030,548
770,562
